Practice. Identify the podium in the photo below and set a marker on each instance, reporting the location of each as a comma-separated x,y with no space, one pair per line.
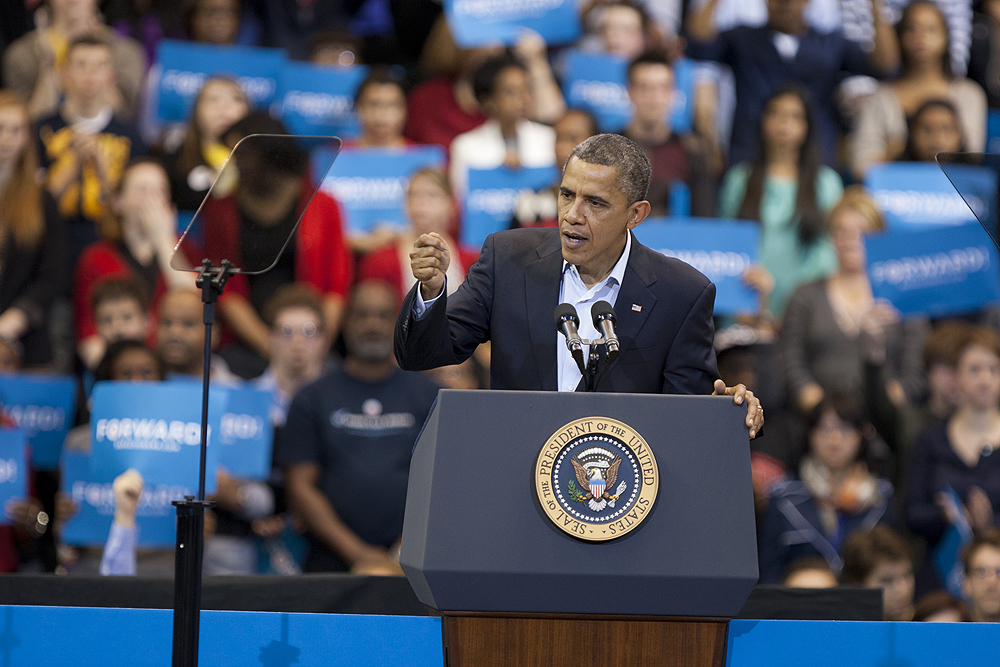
514,588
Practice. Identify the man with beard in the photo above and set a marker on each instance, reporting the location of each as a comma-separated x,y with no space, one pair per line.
347,443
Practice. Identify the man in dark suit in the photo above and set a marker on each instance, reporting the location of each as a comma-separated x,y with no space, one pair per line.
664,306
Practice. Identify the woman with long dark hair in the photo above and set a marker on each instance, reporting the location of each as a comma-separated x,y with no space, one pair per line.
789,191
934,128
924,43
34,243
195,164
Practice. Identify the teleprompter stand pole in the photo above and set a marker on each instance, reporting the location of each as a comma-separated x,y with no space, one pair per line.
191,511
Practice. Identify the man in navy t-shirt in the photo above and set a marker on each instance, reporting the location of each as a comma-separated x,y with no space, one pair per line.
347,443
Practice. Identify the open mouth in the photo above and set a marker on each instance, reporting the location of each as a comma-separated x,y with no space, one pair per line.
573,240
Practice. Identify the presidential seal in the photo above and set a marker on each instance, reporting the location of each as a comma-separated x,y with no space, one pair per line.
596,479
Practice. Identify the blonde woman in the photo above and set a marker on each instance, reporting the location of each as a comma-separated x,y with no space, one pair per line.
820,340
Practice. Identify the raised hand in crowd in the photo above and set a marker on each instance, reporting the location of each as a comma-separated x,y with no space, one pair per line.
980,509
127,488
549,105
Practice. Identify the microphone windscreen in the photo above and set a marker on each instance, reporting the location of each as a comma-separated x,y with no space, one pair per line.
602,310
566,311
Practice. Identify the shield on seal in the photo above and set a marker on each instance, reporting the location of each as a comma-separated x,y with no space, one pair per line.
597,487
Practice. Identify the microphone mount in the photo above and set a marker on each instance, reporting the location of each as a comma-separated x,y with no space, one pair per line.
567,322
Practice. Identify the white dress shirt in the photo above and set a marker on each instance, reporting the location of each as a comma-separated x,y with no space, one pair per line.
573,291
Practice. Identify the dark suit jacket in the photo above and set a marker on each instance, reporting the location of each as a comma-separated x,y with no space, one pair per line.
509,297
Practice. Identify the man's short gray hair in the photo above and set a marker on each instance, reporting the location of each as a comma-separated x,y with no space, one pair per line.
614,150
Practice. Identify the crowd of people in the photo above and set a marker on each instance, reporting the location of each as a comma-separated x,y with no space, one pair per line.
873,419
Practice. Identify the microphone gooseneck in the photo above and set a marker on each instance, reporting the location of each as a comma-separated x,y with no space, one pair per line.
567,322
605,321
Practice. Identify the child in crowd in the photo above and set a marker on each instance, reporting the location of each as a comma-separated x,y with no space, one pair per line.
120,308
878,557
138,242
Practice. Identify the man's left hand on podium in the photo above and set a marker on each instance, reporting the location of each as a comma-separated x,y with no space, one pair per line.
740,394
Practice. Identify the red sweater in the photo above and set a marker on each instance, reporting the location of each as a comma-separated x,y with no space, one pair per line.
321,256
101,261
434,117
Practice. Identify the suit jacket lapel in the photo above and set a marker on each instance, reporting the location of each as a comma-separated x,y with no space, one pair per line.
634,303
635,300
541,294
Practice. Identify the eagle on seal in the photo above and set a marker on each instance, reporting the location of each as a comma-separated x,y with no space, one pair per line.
597,483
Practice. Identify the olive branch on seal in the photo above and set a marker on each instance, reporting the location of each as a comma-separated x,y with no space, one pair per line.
574,492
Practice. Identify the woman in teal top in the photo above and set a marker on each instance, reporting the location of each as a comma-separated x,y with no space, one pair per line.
794,247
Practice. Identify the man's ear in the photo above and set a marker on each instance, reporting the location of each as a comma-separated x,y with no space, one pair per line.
637,212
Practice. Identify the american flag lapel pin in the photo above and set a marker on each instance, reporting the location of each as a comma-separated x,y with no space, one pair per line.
636,307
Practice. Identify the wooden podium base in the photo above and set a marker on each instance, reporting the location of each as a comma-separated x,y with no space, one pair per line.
576,640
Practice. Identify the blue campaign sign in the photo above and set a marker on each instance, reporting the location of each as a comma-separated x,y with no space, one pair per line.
948,553
935,272
480,22
721,249
493,194
43,406
370,183
155,428
993,131
597,82
918,194
95,501
186,65
245,433
13,468
317,100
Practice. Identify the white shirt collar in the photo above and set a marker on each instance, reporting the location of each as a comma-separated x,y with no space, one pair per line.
617,273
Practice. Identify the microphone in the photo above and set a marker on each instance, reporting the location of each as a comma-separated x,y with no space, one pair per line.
567,322
605,321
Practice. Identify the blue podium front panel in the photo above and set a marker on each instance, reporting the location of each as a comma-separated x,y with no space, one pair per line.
90,637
